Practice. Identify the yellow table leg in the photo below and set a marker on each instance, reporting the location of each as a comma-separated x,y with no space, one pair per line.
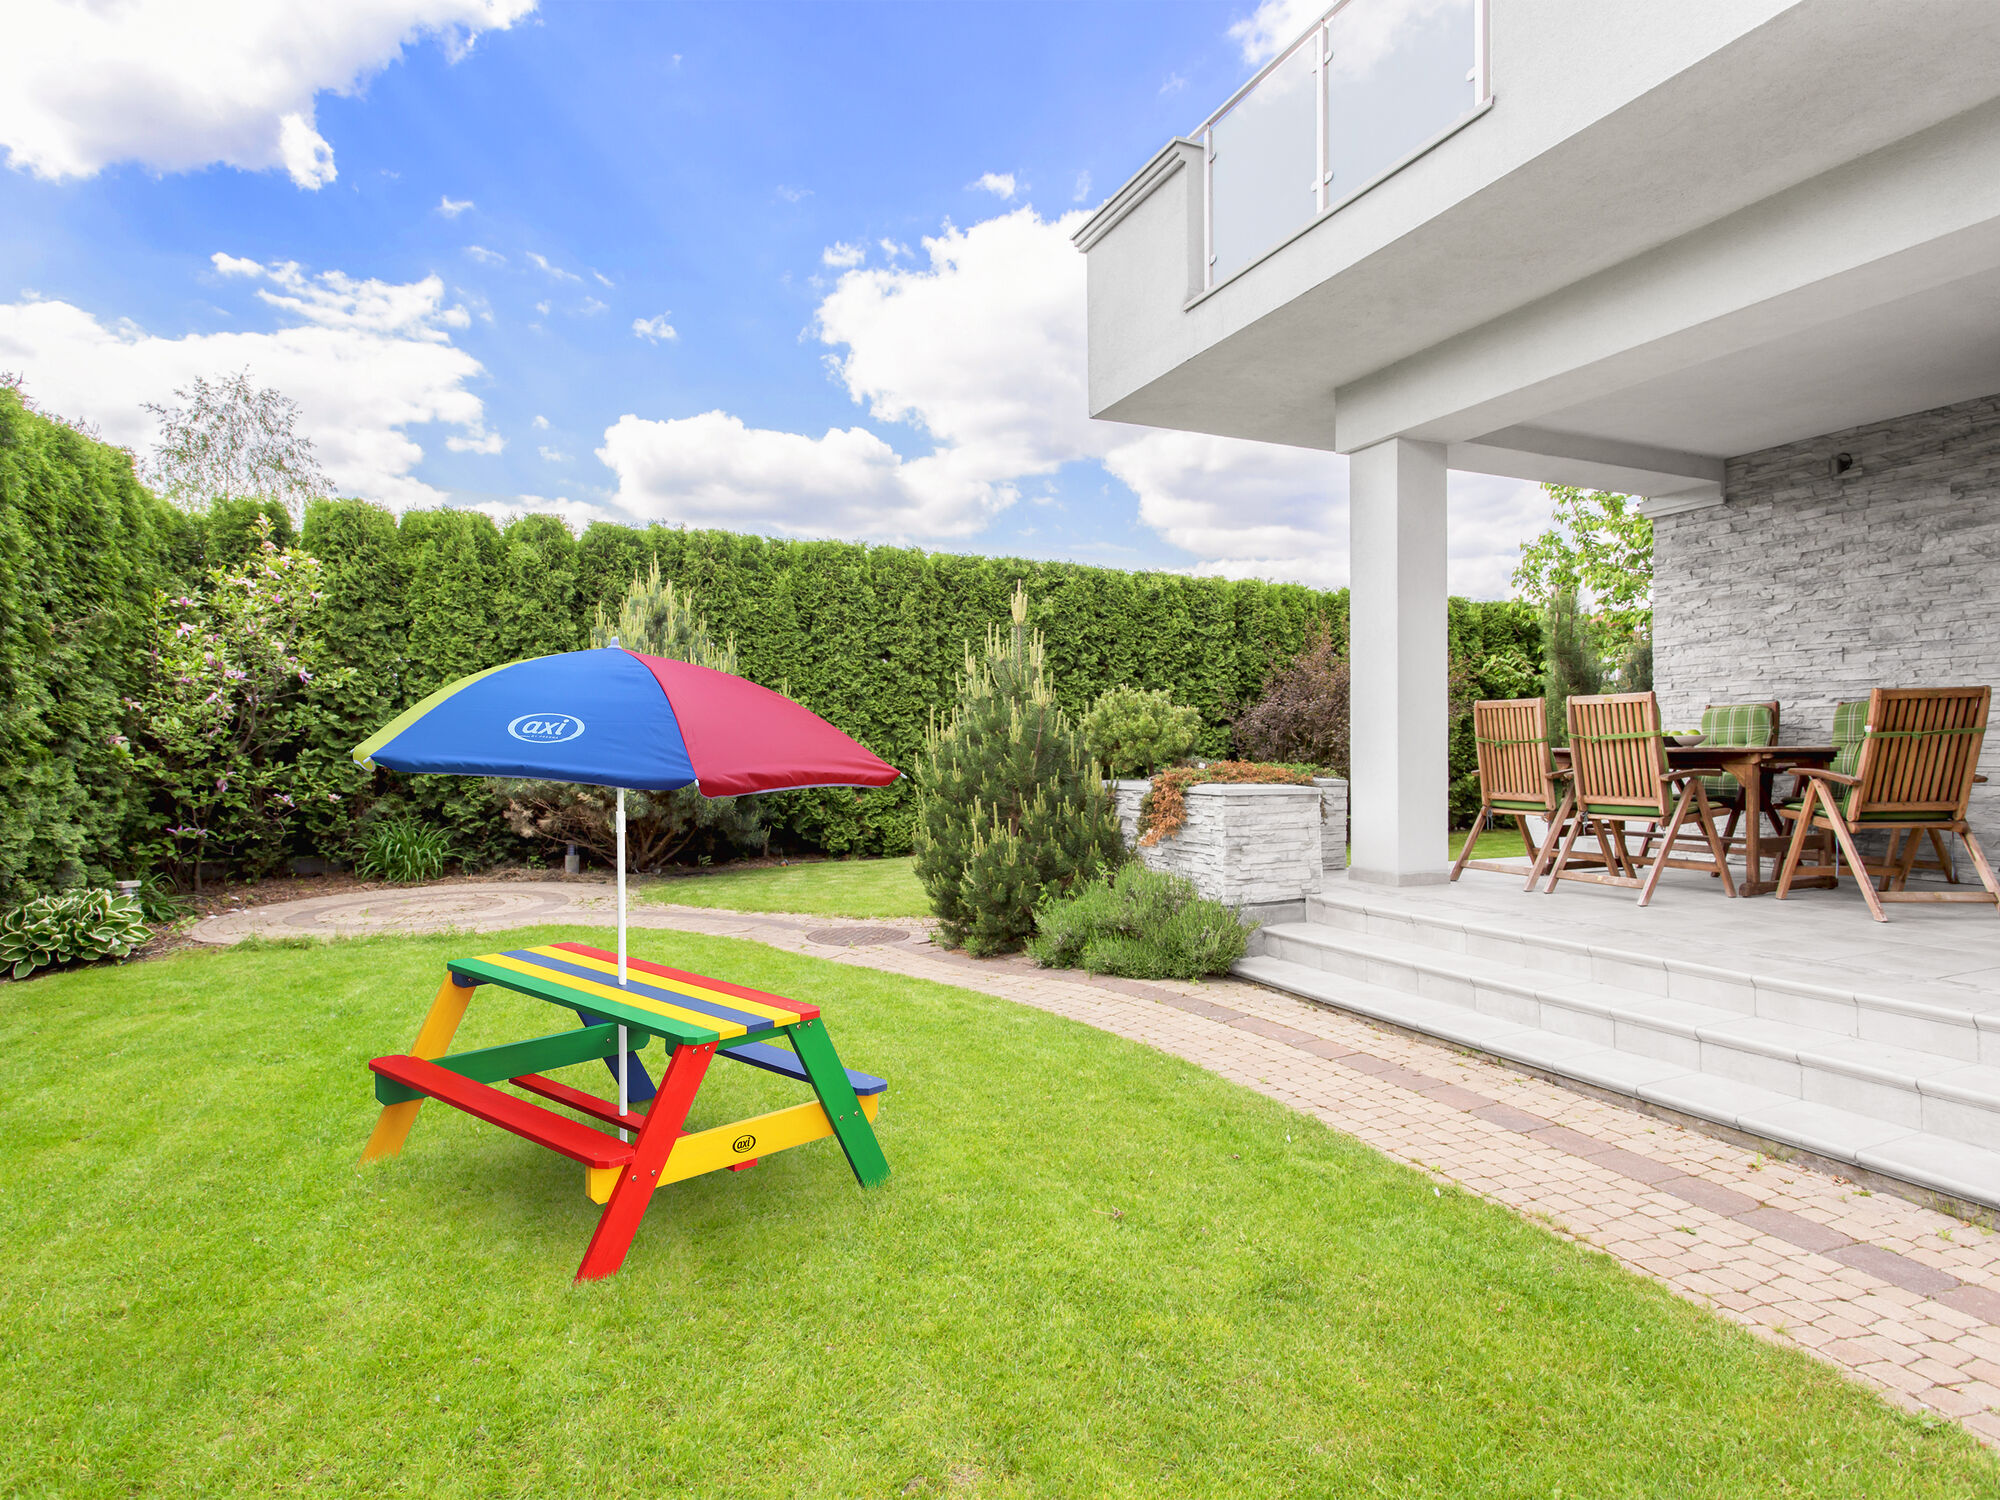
433,1040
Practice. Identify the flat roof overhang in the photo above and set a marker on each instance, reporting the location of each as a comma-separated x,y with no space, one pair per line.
1797,233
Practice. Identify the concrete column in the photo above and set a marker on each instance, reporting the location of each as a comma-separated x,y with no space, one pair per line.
1400,747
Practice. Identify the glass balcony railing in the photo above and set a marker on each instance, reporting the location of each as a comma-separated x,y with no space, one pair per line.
1371,85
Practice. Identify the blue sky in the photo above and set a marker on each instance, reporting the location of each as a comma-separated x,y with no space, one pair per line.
794,269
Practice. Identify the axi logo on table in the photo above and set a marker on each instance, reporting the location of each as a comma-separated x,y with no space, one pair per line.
546,729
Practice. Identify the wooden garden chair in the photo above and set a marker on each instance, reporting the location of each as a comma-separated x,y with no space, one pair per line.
1518,778
1912,778
1734,724
1619,776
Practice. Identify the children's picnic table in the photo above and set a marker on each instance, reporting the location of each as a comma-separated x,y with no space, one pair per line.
697,1017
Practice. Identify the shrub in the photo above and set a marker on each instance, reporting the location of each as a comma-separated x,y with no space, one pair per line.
75,927
1132,732
402,847
1303,713
226,731
1010,807
1142,924
1164,808
660,620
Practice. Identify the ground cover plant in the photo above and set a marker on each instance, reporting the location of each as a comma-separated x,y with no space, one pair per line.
825,887
1097,1270
74,927
1142,924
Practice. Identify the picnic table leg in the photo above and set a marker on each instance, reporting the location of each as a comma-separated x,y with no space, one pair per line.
641,1175
392,1126
836,1097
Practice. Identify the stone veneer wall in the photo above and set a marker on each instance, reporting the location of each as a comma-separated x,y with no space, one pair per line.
1248,845
1812,588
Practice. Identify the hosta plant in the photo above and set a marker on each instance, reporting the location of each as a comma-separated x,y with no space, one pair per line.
74,927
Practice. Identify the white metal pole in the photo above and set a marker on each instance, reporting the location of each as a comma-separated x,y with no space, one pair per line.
624,1096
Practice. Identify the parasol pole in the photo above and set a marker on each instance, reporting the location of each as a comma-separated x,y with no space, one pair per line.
623,1095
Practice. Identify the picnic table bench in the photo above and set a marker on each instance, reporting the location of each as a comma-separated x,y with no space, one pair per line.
698,1018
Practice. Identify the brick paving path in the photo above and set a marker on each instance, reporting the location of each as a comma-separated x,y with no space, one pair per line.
1900,1296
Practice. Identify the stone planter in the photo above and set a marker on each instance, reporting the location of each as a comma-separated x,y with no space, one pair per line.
1263,848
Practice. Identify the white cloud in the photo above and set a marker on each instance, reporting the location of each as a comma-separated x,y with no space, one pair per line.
556,272
235,265
452,207
1082,188
1366,32
893,250
843,256
1174,84
592,307
980,350
712,470
793,194
552,455
656,329
175,86
541,423
484,256
476,441
365,360
542,308
1000,184
603,280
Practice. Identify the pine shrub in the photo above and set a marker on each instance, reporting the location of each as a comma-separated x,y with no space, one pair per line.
657,619
1141,924
1011,810
1133,732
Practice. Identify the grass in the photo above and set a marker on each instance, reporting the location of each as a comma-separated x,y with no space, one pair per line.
826,888
1503,842
1097,1270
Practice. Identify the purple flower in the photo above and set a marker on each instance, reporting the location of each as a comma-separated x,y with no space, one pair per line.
333,796
222,783
184,629
304,675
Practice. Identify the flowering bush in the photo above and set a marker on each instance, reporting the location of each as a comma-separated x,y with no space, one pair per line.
226,731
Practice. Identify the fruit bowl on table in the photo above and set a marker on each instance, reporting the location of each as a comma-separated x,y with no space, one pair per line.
1686,741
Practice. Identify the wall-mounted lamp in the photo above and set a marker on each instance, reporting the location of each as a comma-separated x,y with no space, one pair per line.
1842,462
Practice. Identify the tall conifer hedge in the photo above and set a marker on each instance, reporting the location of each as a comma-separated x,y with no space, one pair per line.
872,638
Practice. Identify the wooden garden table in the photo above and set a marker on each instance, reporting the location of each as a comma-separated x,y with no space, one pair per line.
1753,766
697,1017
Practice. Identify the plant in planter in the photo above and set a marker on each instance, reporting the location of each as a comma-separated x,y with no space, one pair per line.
1163,812
1133,732
1010,806
74,927
1141,924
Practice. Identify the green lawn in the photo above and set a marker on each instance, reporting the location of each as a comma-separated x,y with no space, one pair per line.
826,888
1096,1271
1496,843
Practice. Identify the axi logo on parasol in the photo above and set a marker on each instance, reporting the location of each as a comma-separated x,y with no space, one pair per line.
546,729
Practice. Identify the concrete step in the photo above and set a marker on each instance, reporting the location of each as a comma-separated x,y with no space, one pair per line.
1928,1159
1777,983
1903,1086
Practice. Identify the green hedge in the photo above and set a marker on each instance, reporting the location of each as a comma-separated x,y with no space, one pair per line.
872,638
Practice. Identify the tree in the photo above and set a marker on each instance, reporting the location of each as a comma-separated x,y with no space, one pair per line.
659,620
1597,554
1010,806
1574,668
229,440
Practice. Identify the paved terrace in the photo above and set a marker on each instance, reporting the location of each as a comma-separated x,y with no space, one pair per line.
1902,1297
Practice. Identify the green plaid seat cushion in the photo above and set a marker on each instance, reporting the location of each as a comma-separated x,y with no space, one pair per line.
1733,724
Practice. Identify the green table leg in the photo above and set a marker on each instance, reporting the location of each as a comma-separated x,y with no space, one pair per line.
836,1097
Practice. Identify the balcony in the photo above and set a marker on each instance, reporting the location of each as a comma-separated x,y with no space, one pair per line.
1369,88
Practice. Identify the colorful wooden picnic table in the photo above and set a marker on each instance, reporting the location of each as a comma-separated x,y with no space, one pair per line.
697,1017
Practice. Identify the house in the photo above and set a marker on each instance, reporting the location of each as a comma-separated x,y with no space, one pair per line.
1738,257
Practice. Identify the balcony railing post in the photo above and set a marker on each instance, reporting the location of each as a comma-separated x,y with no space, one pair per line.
1322,74
1208,209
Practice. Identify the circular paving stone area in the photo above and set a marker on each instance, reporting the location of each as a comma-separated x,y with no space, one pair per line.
857,937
